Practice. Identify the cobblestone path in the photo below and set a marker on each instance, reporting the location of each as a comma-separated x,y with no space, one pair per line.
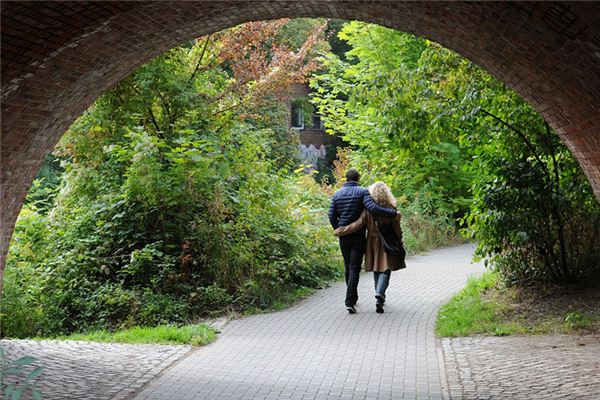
534,367
316,350
84,370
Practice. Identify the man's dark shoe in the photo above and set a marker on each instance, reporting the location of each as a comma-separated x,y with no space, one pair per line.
379,308
351,309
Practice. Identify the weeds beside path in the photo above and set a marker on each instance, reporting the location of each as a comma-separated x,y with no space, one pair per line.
487,307
196,335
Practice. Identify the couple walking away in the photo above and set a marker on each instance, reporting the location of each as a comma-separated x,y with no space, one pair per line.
354,212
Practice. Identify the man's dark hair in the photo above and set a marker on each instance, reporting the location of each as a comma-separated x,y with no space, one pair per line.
352,175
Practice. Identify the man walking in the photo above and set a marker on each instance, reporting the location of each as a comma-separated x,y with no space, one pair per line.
346,206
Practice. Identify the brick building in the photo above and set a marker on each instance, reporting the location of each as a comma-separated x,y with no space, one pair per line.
315,144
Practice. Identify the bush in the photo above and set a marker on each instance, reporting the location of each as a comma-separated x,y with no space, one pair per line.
423,230
534,213
169,242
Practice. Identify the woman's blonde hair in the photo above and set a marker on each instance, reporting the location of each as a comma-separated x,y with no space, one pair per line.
381,193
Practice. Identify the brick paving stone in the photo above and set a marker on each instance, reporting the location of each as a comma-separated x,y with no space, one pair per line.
534,367
84,370
316,350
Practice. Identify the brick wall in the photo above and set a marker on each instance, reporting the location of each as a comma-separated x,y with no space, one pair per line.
318,137
57,57
308,136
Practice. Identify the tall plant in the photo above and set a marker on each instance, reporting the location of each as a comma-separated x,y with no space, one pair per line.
177,200
456,144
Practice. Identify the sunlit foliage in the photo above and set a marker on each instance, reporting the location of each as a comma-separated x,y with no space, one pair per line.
179,197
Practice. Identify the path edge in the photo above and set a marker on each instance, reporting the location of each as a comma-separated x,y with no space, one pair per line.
135,393
442,369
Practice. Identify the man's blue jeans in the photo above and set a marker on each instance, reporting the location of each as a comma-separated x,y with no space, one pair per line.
382,281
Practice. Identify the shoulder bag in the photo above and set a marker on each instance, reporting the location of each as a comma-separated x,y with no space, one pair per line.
391,243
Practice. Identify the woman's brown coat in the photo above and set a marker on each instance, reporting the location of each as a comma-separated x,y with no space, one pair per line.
376,259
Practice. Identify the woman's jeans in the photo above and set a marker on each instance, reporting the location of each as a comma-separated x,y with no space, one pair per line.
382,281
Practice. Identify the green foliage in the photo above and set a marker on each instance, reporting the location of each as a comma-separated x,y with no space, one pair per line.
389,100
534,213
44,187
454,143
19,377
196,335
338,46
176,203
423,231
296,31
576,320
468,313
324,171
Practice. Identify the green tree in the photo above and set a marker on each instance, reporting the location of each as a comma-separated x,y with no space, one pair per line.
454,142
177,200
388,102
534,213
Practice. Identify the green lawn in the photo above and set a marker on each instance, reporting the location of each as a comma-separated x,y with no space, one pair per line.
486,307
196,335
467,313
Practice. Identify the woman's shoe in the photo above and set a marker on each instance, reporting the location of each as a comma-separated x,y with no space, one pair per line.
379,308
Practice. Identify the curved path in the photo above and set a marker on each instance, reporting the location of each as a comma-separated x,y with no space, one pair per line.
316,350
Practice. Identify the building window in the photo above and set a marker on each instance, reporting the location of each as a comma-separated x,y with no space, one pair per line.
317,122
297,115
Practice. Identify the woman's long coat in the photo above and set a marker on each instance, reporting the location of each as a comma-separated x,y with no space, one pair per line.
376,259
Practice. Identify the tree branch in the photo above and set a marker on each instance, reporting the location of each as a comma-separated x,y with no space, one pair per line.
150,112
233,107
523,137
165,105
557,208
201,57
153,119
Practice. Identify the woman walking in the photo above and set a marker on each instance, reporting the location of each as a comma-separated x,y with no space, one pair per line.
376,259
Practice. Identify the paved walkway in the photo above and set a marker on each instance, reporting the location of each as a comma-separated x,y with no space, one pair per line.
523,368
316,350
84,370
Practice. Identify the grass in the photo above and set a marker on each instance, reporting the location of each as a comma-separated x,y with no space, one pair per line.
487,307
467,313
196,335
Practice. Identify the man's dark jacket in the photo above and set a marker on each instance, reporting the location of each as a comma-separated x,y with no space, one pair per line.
349,202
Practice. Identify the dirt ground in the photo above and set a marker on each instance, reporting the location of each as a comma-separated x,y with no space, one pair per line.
552,309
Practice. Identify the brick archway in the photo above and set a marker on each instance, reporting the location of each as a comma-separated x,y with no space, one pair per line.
57,57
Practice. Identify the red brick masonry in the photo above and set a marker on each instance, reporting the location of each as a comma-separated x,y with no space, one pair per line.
57,57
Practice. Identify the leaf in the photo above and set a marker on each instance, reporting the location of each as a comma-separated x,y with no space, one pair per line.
16,393
10,389
24,360
36,394
33,374
13,371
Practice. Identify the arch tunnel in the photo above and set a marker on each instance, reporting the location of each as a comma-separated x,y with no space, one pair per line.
58,57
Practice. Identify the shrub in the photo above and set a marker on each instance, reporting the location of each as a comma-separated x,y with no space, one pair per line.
534,213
